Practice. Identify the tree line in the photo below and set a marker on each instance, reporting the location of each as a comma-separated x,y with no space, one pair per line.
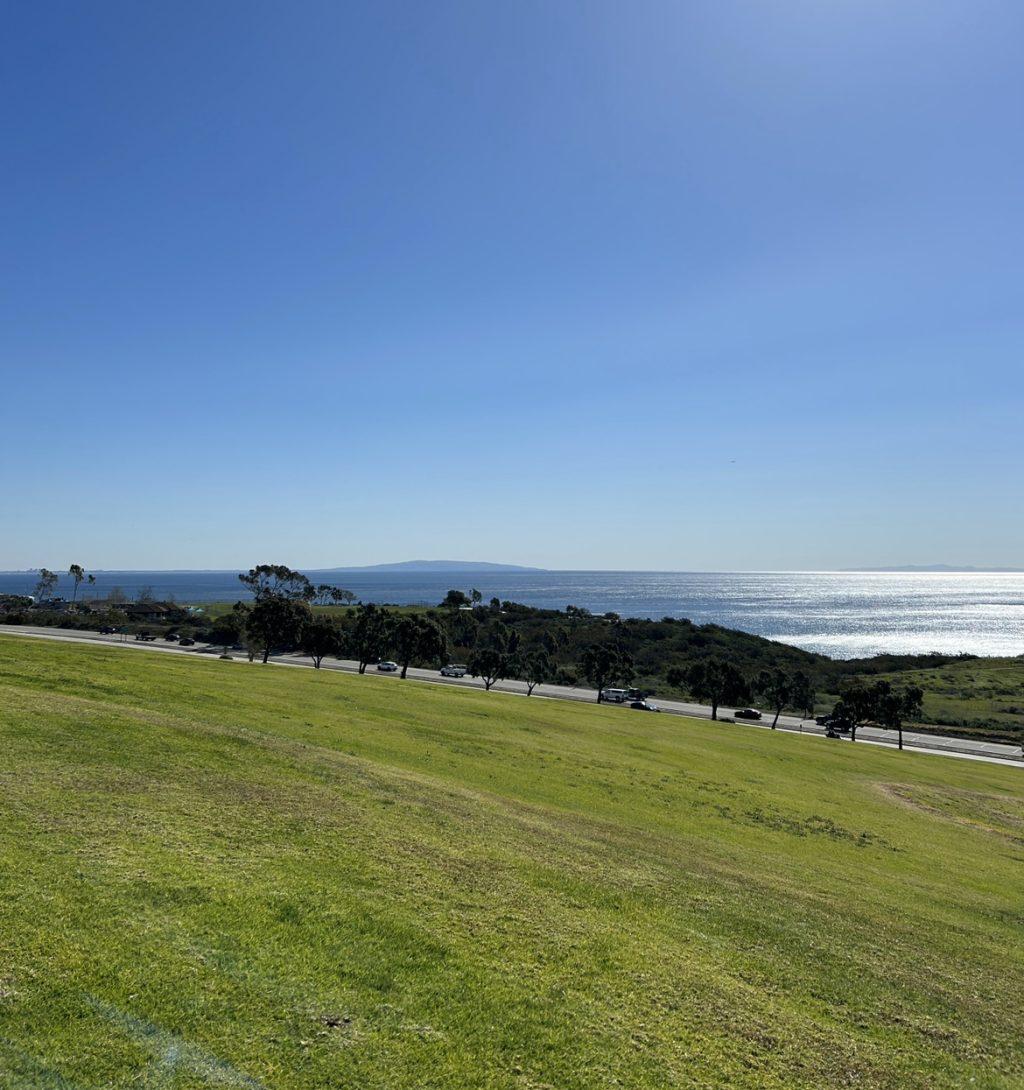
280,617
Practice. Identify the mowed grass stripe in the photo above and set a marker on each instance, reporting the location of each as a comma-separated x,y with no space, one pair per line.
222,874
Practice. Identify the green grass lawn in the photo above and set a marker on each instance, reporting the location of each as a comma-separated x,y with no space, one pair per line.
979,697
218,874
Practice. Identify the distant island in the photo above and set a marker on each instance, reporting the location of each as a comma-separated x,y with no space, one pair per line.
437,566
954,568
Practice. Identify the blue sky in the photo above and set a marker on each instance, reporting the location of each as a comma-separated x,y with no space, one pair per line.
676,285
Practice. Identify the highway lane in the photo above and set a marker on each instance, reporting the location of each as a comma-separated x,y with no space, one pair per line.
913,740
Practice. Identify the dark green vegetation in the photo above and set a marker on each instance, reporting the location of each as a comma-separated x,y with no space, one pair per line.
981,697
227,874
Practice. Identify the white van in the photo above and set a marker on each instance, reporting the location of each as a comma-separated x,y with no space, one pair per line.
614,696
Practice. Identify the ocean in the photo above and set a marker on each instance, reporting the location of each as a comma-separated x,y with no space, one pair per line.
845,615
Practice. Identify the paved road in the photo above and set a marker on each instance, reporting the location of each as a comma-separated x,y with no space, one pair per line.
912,740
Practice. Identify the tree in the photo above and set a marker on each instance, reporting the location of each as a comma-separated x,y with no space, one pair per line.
46,584
77,573
144,594
475,596
857,705
454,599
325,594
535,669
277,581
371,634
894,706
320,636
711,680
228,629
274,623
802,695
116,596
489,664
776,686
417,637
577,615
603,663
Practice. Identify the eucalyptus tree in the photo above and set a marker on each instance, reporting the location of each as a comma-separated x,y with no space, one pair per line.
535,668
320,636
371,634
46,584
77,573
776,686
417,638
277,581
712,680
603,663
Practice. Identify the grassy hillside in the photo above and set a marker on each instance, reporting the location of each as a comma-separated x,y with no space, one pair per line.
971,697
217,874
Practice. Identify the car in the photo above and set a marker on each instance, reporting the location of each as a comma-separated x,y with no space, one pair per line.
387,667
747,713
107,630
832,733
644,706
833,722
171,637
453,669
614,696
186,641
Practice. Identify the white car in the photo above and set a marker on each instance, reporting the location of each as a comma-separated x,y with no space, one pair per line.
453,669
387,667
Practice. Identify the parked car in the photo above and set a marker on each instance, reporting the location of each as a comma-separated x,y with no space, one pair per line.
644,706
832,733
747,713
614,696
387,667
107,630
186,641
145,637
171,637
453,669
823,720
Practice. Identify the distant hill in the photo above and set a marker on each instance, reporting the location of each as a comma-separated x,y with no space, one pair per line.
963,568
437,566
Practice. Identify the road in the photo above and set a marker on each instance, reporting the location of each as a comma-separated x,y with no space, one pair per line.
913,741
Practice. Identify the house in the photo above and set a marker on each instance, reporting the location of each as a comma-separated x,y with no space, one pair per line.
155,612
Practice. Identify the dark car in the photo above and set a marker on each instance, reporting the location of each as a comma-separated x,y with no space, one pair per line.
107,630
834,723
644,706
186,641
832,733
747,713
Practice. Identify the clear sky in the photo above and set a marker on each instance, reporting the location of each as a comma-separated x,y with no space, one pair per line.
693,284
